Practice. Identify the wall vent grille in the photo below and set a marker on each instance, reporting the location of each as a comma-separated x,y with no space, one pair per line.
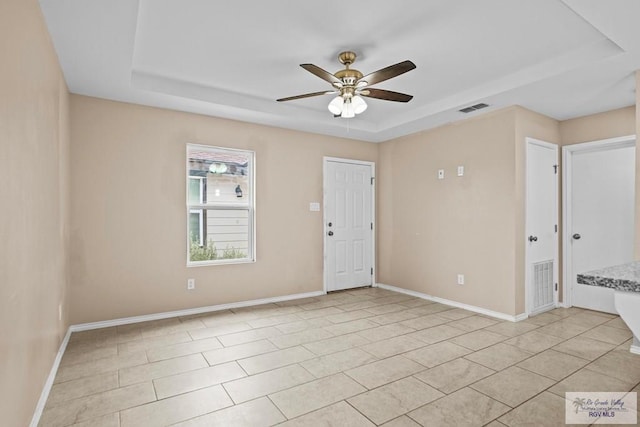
473,108
542,284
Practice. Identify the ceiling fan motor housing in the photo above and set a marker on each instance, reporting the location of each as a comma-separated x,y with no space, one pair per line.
348,76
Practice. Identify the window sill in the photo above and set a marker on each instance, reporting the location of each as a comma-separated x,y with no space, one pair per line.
219,262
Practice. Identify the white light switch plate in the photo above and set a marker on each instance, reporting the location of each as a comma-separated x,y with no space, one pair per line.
460,170
440,173
314,207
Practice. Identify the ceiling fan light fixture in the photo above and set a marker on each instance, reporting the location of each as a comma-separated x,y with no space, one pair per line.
348,110
335,106
359,104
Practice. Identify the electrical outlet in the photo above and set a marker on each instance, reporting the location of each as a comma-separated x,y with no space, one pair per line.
191,284
440,173
460,279
460,170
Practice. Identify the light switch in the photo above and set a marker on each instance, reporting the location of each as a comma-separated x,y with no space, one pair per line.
314,207
440,173
460,170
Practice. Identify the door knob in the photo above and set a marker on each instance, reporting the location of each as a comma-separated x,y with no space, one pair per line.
533,239
576,236
330,233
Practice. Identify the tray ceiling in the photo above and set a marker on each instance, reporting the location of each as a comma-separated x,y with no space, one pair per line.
563,59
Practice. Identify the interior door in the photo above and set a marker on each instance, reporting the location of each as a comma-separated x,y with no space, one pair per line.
602,196
348,225
541,228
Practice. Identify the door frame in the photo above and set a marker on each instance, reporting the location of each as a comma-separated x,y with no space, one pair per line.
527,283
567,159
372,166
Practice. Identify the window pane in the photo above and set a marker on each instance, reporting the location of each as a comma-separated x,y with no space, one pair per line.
195,191
196,226
226,172
226,235
227,189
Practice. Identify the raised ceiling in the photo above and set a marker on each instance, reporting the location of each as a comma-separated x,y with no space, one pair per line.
233,59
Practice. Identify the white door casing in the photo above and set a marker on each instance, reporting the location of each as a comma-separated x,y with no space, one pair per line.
541,237
348,223
599,215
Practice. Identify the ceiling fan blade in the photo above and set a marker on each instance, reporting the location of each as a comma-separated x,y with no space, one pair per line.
387,73
307,95
324,75
387,95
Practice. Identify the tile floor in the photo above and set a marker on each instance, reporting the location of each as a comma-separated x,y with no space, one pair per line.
356,358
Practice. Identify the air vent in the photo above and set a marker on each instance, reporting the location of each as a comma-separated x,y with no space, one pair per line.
472,108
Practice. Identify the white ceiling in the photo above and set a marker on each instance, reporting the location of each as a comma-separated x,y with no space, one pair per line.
232,59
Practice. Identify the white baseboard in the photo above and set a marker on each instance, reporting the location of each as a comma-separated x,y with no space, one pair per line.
456,304
635,349
189,311
136,319
44,395
520,317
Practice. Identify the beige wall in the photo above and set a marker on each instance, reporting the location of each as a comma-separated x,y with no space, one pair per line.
422,248
430,230
34,155
449,220
128,210
610,124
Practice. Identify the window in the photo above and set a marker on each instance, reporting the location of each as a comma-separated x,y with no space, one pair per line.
220,205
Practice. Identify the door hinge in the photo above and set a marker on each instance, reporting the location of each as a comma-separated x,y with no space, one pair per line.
372,178
556,288
372,271
555,227
555,169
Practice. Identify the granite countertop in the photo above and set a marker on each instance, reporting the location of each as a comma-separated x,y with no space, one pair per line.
625,277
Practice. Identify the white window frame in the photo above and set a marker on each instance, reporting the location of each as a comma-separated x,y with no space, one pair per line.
203,207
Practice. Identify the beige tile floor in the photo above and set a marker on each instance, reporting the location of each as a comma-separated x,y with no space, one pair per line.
356,358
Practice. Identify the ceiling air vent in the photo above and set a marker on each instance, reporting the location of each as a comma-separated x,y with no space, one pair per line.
472,108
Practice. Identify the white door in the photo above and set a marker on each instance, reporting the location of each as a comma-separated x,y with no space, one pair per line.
601,233
348,227
541,226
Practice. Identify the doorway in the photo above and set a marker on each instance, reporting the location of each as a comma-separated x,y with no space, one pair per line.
541,239
349,245
599,200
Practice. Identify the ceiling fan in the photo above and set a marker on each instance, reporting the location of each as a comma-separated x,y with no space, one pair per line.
351,85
